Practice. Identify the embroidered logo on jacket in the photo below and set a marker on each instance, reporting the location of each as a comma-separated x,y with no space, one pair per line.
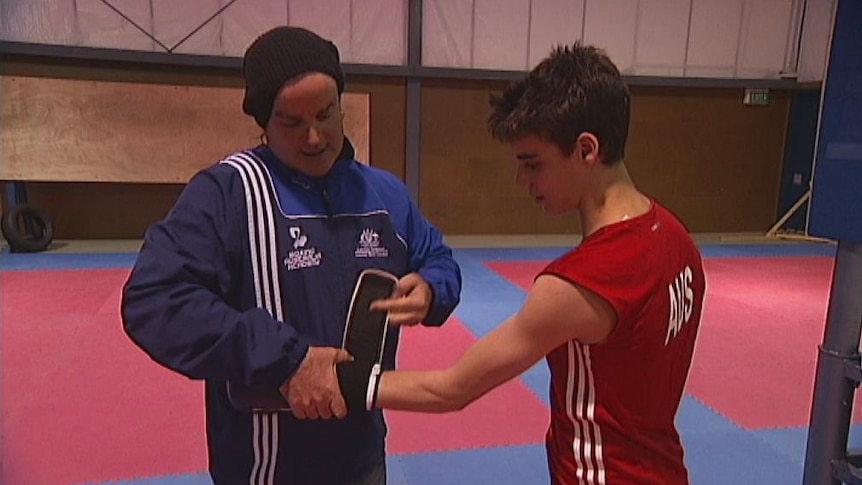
301,257
369,246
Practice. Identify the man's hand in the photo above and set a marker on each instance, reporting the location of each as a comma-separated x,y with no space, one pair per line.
312,391
411,303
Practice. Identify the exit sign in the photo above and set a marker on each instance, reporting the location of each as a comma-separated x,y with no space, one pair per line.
756,97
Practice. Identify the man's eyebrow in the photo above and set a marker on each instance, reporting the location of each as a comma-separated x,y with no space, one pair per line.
292,117
285,116
329,106
526,156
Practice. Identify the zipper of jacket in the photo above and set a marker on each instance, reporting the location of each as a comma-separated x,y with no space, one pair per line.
344,282
327,201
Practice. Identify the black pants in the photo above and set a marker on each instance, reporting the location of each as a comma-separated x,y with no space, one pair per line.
376,477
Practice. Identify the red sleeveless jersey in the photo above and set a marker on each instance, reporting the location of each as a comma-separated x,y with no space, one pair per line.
613,404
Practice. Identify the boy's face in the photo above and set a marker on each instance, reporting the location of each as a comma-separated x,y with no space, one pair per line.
555,181
305,130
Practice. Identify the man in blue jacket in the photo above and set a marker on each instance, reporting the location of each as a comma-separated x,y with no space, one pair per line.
249,278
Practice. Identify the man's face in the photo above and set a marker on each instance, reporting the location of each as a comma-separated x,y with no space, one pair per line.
305,130
554,181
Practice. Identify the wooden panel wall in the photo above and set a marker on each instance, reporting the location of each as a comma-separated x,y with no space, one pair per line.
468,179
701,152
387,98
714,161
72,130
125,210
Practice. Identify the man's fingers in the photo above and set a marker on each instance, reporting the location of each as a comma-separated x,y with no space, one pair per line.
308,410
298,412
404,318
401,304
387,305
310,392
411,304
324,411
341,356
339,407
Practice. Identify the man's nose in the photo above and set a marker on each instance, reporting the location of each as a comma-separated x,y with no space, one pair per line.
313,135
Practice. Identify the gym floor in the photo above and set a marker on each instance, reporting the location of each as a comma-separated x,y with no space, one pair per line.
81,405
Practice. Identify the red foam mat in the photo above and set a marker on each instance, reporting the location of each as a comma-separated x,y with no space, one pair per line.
763,320
757,350
508,415
80,402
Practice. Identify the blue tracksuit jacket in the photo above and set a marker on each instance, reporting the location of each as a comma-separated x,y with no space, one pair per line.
193,302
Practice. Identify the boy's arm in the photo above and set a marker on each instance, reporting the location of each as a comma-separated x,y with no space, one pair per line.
555,312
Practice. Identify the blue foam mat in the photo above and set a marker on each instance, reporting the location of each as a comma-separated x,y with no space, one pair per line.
717,450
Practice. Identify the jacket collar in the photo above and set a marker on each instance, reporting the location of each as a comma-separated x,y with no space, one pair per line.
344,160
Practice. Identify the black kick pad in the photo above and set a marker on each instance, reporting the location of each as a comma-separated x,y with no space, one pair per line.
365,330
364,338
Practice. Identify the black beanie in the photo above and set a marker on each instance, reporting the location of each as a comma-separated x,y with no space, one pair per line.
278,56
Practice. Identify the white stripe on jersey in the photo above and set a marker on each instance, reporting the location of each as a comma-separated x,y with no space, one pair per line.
587,447
576,427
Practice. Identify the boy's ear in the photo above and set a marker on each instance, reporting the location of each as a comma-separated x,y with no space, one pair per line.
588,146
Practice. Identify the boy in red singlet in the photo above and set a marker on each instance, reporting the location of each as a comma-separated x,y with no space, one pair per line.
616,317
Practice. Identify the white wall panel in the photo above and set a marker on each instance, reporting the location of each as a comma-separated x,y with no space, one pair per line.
554,22
766,26
816,32
245,20
447,28
714,38
662,34
101,26
500,38
725,38
39,21
173,21
379,32
611,25
328,18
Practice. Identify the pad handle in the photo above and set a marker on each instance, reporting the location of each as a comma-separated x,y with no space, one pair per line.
359,382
